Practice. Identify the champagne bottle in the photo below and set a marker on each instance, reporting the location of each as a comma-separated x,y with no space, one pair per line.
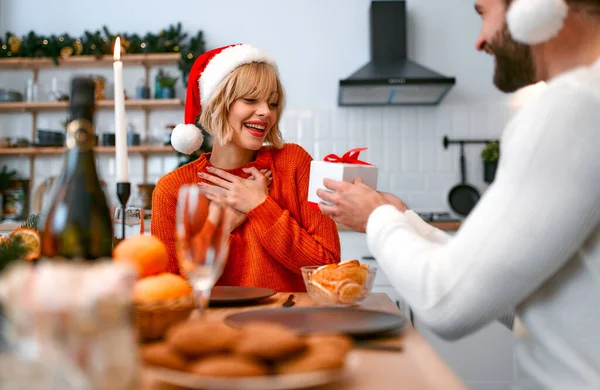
77,222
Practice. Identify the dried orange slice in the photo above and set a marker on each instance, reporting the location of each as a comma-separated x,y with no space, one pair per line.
31,241
349,292
349,264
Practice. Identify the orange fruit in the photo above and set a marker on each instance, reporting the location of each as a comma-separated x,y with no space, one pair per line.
145,253
31,241
160,287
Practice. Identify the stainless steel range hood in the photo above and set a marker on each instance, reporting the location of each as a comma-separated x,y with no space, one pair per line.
391,78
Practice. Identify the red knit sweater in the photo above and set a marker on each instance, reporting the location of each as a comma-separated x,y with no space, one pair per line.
280,236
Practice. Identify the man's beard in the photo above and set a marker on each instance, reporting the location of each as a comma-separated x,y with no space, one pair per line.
514,63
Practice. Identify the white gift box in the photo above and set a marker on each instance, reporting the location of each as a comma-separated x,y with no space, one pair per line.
348,168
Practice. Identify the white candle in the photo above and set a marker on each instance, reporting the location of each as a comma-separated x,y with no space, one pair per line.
120,129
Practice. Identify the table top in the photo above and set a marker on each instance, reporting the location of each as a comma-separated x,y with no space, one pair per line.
415,367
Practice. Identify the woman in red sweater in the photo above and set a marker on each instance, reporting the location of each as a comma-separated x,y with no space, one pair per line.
235,94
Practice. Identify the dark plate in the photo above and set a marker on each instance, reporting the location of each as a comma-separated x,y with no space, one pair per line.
354,322
237,295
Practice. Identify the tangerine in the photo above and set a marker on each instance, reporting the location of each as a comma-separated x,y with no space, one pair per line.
147,254
160,287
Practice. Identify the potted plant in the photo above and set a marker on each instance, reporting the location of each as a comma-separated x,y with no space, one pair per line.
490,155
167,86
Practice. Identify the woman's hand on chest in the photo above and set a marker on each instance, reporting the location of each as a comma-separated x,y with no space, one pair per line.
238,193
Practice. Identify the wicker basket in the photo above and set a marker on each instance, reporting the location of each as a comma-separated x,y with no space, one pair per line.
153,319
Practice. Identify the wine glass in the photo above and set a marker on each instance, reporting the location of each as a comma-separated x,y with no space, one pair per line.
134,223
202,241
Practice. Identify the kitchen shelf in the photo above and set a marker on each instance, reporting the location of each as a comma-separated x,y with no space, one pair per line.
10,226
146,104
37,65
49,150
145,60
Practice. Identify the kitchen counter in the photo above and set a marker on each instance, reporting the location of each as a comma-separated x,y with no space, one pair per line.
446,226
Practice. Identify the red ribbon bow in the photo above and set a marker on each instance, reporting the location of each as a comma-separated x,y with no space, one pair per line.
350,157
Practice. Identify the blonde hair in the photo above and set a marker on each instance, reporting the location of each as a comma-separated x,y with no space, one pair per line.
256,80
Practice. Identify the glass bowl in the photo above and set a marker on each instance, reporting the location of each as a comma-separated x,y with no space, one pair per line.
336,287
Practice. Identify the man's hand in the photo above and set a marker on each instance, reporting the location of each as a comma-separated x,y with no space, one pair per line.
352,203
392,199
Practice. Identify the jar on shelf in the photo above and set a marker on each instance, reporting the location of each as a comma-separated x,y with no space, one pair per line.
16,200
167,134
100,86
142,90
32,91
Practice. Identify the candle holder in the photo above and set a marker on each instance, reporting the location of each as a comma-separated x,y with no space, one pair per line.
123,193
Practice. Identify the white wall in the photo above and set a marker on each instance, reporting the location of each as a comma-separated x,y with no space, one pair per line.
316,43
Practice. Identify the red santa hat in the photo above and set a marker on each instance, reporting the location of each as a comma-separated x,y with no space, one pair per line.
207,72
536,21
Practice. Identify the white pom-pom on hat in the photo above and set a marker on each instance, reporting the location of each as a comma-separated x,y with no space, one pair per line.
536,21
186,138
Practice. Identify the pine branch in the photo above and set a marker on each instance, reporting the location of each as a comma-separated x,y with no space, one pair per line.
32,222
11,250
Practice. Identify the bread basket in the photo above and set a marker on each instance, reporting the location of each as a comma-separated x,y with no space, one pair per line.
152,319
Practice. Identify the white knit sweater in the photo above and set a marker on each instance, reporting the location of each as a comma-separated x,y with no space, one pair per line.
532,242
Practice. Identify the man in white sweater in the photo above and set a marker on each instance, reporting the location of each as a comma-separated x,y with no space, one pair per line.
533,240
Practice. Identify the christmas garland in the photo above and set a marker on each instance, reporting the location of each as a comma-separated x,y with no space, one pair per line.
99,43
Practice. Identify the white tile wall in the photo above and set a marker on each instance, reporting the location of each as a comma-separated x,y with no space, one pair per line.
404,142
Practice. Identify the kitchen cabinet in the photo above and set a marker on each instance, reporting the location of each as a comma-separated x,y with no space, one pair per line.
484,360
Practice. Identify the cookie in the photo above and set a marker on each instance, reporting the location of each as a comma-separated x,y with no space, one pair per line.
335,342
228,365
317,357
162,355
269,341
196,338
